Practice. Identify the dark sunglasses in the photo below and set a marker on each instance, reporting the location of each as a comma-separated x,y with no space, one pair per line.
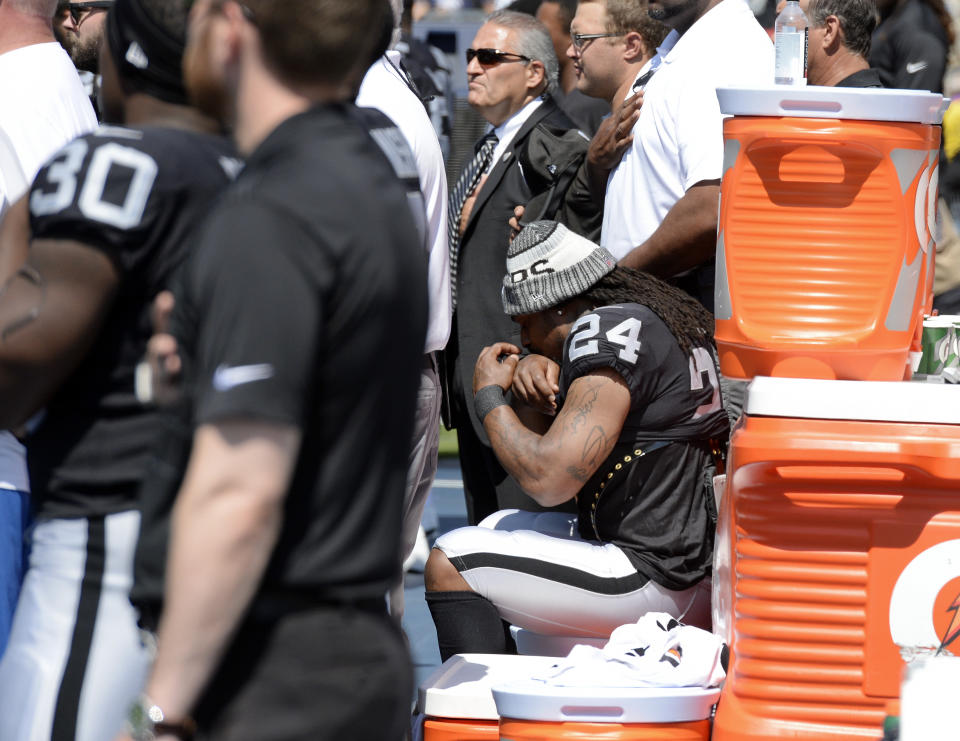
492,57
79,11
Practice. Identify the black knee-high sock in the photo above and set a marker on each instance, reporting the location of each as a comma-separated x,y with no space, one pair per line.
468,624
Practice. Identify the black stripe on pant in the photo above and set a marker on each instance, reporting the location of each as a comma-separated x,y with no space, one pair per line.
68,697
586,580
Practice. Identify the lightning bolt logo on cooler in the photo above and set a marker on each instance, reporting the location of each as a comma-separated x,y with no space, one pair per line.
953,629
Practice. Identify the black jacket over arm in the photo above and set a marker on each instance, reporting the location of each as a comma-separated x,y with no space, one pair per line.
543,170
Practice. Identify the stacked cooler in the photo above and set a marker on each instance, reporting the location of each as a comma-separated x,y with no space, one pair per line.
838,556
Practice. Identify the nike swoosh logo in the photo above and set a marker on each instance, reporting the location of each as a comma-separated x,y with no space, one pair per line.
914,67
228,377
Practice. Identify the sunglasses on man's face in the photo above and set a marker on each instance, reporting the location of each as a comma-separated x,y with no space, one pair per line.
493,57
79,11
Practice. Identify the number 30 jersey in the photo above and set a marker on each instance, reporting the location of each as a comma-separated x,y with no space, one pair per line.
650,497
136,195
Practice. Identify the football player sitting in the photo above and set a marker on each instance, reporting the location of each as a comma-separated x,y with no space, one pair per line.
630,424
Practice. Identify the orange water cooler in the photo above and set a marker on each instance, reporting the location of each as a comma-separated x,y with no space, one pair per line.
532,711
826,233
838,553
455,701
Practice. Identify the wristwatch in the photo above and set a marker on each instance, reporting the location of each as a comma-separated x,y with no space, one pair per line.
146,721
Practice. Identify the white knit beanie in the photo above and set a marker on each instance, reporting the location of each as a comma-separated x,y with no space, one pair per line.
548,264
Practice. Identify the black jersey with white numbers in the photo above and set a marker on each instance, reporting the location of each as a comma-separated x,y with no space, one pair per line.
650,496
134,194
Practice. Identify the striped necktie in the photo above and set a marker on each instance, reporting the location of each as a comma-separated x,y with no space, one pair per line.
458,197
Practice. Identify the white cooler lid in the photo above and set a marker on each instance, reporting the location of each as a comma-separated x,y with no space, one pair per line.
815,101
871,401
531,700
460,687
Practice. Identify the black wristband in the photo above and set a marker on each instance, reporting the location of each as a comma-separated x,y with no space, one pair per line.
487,399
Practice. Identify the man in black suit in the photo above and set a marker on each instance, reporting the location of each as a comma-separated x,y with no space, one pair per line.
533,157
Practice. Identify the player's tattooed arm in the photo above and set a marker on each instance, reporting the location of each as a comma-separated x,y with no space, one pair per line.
14,239
50,312
553,467
532,419
27,282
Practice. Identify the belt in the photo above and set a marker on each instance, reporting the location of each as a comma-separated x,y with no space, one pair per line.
274,605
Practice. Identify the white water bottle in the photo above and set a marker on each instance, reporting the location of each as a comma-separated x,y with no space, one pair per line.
790,39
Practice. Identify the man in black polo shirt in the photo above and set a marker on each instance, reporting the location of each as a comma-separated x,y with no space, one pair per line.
300,325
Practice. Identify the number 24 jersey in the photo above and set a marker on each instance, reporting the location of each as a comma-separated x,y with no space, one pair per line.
657,508
673,395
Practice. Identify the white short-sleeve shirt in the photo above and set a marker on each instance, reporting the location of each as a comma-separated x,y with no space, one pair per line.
678,139
43,106
384,89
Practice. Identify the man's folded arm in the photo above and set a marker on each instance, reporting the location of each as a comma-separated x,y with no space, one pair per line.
554,466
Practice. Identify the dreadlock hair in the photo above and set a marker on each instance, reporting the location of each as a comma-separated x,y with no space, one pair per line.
689,323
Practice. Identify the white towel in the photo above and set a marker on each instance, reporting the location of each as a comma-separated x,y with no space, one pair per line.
656,651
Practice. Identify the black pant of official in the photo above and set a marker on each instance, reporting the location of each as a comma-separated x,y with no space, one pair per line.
329,673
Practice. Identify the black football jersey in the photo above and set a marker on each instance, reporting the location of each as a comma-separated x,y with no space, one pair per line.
673,396
135,194
650,496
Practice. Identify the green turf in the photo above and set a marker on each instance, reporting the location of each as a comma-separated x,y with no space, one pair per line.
448,443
